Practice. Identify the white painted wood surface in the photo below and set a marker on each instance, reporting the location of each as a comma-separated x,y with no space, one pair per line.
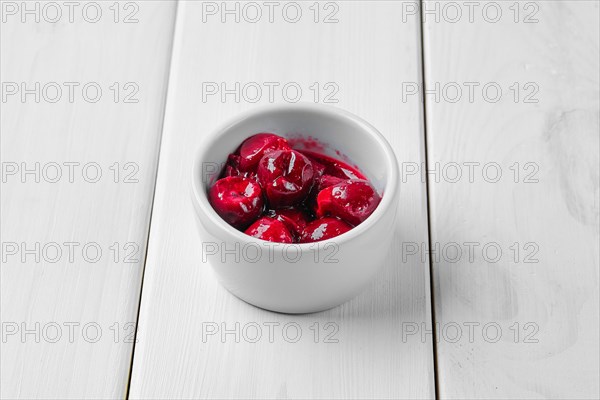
367,55
47,297
380,344
557,355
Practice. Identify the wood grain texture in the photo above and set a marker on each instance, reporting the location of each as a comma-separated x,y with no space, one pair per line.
367,55
63,302
550,209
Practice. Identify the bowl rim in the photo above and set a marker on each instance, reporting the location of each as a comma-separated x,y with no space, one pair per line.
200,198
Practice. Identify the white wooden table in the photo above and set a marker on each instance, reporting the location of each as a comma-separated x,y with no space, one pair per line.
492,108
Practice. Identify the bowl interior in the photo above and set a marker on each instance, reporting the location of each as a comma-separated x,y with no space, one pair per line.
337,134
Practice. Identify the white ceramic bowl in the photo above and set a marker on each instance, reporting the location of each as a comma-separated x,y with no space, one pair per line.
308,277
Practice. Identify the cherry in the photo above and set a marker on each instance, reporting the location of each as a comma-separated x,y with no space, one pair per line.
323,229
294,218
334,167
328,180
318,167
232,168
237,200
321,182
271,230
255,147
286,177
351,200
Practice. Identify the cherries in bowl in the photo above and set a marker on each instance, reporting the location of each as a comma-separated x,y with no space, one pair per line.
275,193
321,224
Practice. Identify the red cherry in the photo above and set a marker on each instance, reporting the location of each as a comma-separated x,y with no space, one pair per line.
271,230
255,147
323,229
321,182
328,180
237,200
334,167
286,176
318,167
232,168
294,218
351,200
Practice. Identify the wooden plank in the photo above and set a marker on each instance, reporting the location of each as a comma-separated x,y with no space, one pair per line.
67,313
542,291
360,60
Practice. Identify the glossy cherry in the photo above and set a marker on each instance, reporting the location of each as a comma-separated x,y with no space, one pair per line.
294,218
255,147
237,200
270,229
286,176
334,167
351,200
323,229
232,166
318,168
328,180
